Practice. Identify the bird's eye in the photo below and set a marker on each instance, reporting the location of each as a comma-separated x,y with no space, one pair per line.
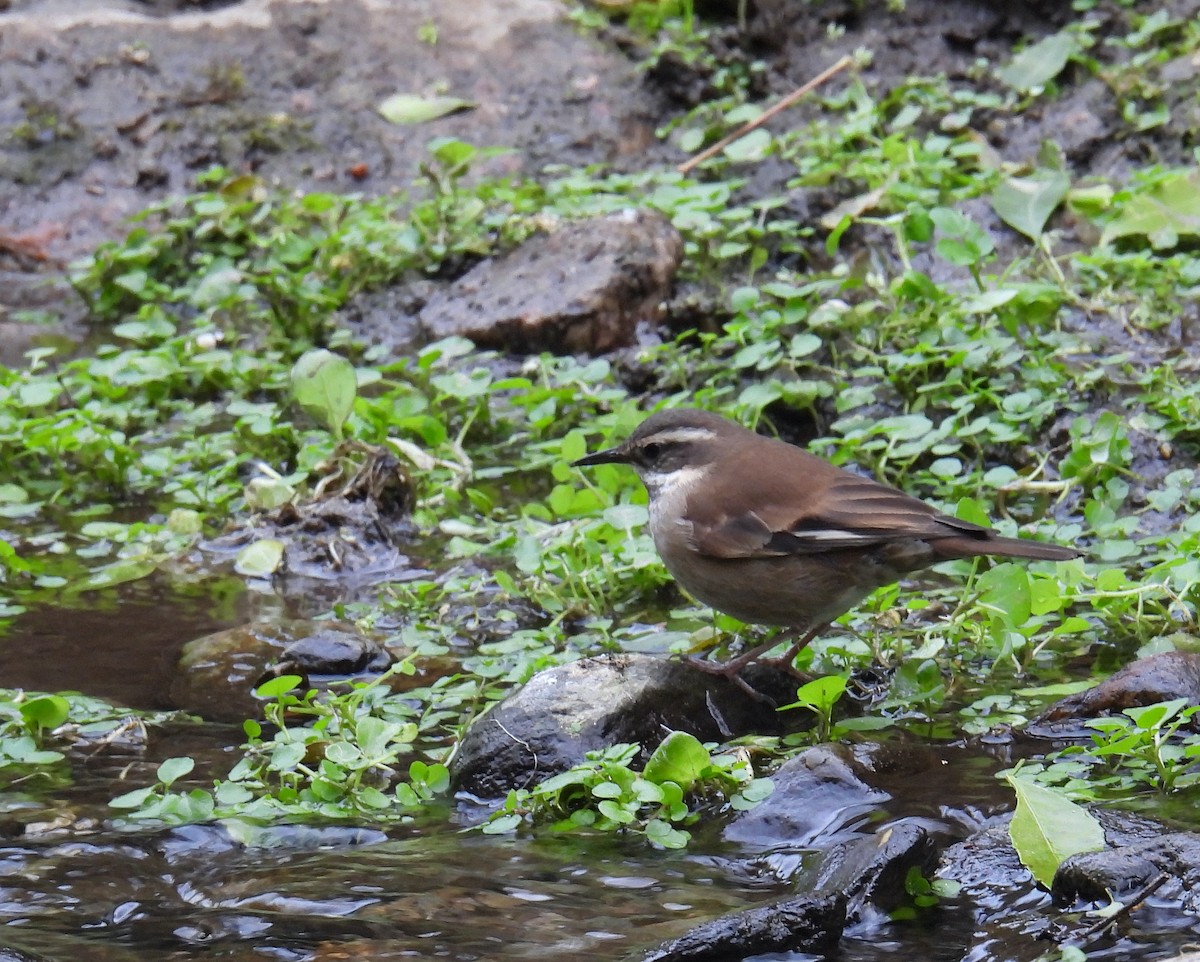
652,450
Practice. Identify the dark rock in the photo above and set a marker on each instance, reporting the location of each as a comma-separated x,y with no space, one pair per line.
332,653
806,923
564,712
217,674
848,880
1147,681
818,795
986,862
872,872
1011,914
1118,873
581,287
998,895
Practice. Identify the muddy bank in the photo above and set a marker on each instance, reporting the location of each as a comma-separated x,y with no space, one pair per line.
109,107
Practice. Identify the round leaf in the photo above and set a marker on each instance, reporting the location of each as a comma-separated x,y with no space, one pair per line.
260,559
680,758
324,385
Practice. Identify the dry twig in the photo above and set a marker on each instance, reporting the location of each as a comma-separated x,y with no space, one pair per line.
766,115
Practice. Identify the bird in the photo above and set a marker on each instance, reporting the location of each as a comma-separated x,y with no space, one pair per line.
770,534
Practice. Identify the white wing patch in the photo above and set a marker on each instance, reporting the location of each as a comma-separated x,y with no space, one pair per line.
832,534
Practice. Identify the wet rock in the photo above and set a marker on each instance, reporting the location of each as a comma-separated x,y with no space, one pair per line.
1155,678
803,924
873,872
822,800
849,881
217,674
999,896
1119,873
564,712
818,795
583,286
1011,914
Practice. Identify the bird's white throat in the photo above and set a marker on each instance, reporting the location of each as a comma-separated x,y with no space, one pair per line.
668,488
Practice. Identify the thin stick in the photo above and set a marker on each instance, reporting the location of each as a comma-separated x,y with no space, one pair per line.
767,114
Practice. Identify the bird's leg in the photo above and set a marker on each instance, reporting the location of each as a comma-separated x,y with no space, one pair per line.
731,668
785,660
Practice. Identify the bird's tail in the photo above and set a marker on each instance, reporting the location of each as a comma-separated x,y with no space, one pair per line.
965,547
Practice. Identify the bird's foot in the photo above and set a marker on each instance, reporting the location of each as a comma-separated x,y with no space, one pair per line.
732,669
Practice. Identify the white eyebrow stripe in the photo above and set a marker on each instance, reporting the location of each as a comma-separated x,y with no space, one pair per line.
679,435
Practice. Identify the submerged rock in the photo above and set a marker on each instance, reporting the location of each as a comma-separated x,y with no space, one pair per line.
805,923
581,287
1172,861
818,795
216,675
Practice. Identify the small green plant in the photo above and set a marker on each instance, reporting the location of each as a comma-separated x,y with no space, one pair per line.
344,763
925,893
25,724
820,696
605,793
1142,750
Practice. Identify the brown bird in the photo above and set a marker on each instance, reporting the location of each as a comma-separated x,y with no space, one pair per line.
772,535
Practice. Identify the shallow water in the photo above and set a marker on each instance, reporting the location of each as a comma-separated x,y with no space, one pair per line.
121,646
72,887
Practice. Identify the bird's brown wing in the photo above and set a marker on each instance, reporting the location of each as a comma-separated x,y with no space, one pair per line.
847,512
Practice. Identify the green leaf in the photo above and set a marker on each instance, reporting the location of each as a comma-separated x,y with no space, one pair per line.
173,769
680,758
502,824
324,385
753,147
259,559
664,834
266,494
1005,590
280,685
1039,63
415,109
344,754
1048,827
120,572
45,711
960,240
615,812
1163,213
135,799
607,790
375,736
821,694
1026,203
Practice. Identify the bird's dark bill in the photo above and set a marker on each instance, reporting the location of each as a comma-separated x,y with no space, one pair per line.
611,456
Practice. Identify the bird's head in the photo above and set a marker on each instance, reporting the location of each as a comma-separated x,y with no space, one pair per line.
672,448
